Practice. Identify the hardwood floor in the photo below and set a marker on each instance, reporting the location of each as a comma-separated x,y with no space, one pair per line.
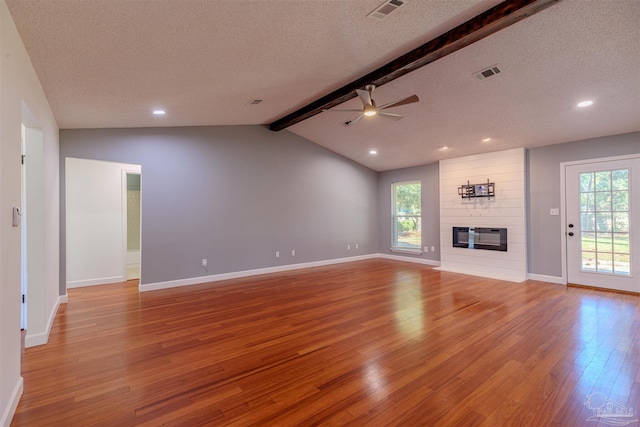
374,342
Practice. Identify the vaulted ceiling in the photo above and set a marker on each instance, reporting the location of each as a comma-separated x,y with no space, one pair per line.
110,63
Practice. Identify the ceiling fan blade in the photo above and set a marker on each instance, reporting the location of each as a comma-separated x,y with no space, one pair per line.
365,96
390,115
404,101
359,110
354,121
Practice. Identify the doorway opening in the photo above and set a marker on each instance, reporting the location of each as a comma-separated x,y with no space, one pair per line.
32,229
101,222
133,225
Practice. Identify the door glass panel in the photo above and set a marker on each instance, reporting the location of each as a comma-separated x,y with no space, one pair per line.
587,181
587,202
588,222
588,261
603,221
607,193
603,181
589,242
605,242
620,179
621,222
603,201
621,263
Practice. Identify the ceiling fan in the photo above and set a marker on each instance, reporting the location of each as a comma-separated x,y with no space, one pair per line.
370,108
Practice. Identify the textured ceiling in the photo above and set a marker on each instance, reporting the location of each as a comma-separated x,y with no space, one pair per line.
108,63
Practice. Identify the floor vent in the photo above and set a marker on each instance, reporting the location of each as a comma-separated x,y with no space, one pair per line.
386,8
488,72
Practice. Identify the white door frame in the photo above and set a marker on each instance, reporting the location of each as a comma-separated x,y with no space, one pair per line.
563,205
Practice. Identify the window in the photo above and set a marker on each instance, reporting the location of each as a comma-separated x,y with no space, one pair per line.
407,219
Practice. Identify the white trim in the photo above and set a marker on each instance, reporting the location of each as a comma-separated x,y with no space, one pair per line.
563,221
131,170
545,278
247,273
601,159
123,195
410,259
516,279
290,267
63,298
43,338
10,410
98,281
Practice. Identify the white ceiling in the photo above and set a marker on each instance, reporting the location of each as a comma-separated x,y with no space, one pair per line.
109,63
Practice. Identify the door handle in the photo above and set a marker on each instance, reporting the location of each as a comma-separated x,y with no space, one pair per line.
571,233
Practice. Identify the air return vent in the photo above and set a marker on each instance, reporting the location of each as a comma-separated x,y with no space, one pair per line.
488,72
386,8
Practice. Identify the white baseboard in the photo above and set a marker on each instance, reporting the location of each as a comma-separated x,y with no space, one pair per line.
12,405
33,340
516,279
247,273
544,278
289,267
94,282
410,259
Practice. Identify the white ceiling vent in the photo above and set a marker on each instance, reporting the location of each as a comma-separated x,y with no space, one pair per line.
488,72
386,8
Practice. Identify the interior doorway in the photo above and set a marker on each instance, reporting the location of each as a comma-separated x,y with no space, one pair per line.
96,210
32,229
132,196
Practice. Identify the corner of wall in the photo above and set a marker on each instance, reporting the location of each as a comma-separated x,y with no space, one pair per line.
43,338
10,410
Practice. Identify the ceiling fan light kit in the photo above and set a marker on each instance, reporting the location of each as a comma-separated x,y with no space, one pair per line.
370,109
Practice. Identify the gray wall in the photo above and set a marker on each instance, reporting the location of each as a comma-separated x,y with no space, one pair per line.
544,231
428,177
234,195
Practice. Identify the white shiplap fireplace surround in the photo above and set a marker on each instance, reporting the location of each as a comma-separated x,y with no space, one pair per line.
506,210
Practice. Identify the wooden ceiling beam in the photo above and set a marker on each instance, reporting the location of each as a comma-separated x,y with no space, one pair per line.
493,20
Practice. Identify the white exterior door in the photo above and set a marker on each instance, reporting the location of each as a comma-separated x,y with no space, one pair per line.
602,209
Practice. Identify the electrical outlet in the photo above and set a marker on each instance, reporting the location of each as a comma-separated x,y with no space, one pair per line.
433,248
293,252
426,249
204,262
277,254
357,246
348,247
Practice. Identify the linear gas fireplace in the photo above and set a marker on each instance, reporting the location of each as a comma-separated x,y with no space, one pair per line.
493,239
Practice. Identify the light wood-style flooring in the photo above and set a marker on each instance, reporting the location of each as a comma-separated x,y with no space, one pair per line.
376,342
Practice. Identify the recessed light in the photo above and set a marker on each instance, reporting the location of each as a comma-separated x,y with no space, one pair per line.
444,148
373,151
585,104
486,139
159,112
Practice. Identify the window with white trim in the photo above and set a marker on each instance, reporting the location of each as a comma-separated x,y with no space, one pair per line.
406,216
